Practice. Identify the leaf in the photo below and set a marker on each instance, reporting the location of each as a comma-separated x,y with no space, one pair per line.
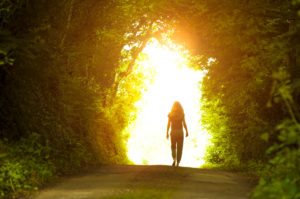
265,137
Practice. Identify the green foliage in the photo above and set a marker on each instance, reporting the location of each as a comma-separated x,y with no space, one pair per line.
281,177
26,166
236,86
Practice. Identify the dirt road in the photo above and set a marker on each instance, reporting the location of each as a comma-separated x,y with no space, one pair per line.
148,182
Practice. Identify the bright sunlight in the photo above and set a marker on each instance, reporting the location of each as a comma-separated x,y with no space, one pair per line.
173,81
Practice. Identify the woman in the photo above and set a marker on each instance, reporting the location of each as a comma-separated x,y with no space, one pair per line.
177,122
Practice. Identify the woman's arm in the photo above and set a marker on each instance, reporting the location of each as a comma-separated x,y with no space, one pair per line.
184,124
168,127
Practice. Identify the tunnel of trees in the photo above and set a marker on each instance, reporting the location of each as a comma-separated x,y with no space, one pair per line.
67,86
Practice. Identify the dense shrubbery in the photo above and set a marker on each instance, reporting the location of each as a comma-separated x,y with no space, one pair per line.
25,164
281,177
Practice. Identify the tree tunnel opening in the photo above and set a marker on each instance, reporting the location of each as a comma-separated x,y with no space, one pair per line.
168,77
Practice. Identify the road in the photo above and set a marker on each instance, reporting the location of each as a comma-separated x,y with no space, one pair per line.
148,182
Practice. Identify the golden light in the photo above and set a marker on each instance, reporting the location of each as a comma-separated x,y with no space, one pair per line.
173,81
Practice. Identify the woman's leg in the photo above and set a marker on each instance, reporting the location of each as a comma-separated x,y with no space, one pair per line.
173,147
179,148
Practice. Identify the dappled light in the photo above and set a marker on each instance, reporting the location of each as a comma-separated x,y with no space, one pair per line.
172,81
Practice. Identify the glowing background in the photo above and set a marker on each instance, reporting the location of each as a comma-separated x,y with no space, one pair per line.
173,81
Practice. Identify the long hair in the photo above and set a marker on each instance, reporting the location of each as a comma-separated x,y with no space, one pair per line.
176,111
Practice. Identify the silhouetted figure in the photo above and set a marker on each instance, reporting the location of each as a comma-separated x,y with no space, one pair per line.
177,122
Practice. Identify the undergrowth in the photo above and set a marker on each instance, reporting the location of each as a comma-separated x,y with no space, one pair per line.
281,176
25,165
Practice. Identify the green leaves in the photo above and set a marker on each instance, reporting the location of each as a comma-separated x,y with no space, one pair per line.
26,166
281,178
289,132
265,137
5,59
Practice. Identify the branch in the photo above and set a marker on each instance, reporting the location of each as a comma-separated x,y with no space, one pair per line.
68,24
135,56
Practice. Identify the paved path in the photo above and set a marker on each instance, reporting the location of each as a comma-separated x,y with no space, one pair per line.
147,182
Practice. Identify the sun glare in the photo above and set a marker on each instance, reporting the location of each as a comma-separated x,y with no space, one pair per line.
173,81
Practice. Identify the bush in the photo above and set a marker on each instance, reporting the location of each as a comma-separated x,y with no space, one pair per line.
281,177
25,166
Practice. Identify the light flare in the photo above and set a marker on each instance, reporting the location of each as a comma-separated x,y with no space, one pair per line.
173,81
